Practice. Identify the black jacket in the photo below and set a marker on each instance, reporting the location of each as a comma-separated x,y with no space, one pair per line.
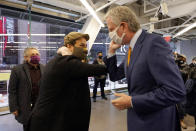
100,77
192,65
19,90
64,100
191,88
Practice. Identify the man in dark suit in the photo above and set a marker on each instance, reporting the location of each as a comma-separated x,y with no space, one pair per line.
64,101
99,79
155,85
24,86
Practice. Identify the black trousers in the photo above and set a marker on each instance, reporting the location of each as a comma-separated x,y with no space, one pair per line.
102,85
25,128
181,111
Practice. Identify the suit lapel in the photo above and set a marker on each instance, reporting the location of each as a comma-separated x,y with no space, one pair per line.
27,73
136,52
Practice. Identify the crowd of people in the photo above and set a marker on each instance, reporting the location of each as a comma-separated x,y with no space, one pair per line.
57,97
188,73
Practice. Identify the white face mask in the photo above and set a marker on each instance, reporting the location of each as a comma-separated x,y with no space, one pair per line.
114,36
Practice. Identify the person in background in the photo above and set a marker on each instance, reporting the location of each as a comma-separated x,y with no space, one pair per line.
155,85
99,79
24,85
191,91
183,66
64,102
193,64
184,70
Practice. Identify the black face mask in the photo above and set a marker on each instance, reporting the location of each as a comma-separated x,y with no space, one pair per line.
81,53
100,57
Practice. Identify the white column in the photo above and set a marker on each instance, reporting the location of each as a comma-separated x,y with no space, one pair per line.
91,27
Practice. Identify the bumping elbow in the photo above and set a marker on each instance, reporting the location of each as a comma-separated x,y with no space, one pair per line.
113,79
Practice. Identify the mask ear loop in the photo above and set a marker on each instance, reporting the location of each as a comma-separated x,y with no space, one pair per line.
117,29
114,31
122,34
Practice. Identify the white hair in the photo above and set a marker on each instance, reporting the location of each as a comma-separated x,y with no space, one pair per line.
28,49
123,14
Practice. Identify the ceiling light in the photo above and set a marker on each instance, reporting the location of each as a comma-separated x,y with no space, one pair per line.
13,42
164,8
92,12
151,29
185,30
32,34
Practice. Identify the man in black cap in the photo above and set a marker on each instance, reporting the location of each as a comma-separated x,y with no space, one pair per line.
64,99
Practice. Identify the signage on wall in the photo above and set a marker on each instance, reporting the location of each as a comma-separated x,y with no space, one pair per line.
10,29
122,51
3,31
6,27
1,25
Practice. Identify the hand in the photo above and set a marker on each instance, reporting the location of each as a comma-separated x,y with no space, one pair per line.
123,102
15,113
113,47
83,61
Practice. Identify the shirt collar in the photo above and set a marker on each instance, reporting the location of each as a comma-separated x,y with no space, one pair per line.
135,38
32,67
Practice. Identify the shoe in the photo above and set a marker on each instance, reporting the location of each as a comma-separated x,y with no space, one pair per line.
183,125
94,100
105,98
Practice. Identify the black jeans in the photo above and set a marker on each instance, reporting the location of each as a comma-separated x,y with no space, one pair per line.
181,111
102,85
25,127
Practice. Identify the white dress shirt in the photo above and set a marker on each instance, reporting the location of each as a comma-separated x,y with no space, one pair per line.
135,38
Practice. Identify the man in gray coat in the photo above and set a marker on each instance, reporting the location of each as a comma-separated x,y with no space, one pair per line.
24,86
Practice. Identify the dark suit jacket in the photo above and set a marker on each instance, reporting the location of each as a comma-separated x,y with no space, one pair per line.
99,77
64,99
20,91
154,82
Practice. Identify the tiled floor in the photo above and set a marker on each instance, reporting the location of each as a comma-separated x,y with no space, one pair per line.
104,117
8,123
